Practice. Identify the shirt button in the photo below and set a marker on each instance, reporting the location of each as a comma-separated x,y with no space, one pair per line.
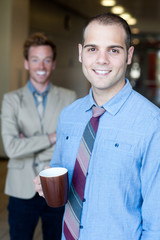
81,227
84,199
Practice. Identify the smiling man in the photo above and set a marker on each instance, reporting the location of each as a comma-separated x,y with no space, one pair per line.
105,59
116,196
29,119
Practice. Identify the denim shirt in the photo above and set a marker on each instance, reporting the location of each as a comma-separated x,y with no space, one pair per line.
122,192
33,91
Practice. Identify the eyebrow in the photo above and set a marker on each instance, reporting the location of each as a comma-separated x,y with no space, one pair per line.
89,45
116,46
34,56
111,46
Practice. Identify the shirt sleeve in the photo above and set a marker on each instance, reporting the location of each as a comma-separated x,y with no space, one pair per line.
150,182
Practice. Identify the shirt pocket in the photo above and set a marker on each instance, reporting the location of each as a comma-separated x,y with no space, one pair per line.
70,141
119,157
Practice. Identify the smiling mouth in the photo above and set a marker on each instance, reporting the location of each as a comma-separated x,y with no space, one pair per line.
41,73
102,72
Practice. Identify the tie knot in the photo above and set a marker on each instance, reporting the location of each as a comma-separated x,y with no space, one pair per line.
39,98
97,111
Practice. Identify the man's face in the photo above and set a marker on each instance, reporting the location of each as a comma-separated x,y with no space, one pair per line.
40,64
104,57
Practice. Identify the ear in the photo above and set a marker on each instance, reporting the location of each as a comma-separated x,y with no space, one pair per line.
26,64
130,54
53,64
80,52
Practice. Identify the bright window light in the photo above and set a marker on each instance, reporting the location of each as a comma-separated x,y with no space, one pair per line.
132,21
108,3
125,16
117,10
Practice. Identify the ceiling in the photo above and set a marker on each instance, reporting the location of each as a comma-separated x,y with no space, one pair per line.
147,12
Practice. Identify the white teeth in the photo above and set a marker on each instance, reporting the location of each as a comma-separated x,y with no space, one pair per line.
101,71
41,72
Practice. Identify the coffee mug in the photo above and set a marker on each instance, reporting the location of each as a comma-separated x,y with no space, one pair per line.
55,186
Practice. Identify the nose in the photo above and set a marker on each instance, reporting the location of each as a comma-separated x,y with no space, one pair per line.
103,57
41,65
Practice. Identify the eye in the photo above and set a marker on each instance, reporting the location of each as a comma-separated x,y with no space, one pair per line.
48,60
92,49
34,60
114,50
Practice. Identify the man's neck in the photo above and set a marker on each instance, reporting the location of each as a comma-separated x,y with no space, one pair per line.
102,96
40,87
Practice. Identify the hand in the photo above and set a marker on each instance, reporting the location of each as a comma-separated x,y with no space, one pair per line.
37,183
47,167
52,138
38,186
21,135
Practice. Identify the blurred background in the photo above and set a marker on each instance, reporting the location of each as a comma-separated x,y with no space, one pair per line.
63,21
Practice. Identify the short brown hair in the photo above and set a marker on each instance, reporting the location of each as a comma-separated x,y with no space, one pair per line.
109,19
38,39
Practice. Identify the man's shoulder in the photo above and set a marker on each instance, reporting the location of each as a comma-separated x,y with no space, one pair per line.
145,101
62,90
143,106
15,96
16,92
75,108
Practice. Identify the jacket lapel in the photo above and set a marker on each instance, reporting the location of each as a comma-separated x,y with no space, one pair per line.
52,110
30,107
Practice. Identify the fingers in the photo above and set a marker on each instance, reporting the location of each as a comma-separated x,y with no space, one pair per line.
37,180
47,167
52,137
38,186
21,135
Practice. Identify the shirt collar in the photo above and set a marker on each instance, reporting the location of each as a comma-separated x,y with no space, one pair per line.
33,89
114,104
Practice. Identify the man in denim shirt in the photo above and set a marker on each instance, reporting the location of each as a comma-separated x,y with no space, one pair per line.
122,191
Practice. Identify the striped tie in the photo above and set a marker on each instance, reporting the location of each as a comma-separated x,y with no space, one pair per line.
73,210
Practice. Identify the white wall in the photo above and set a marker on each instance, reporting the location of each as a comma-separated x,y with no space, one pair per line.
14,23
5,25
19,32
49,18
5,18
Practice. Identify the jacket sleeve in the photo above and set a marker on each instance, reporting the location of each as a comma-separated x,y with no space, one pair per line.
14,146
46,154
